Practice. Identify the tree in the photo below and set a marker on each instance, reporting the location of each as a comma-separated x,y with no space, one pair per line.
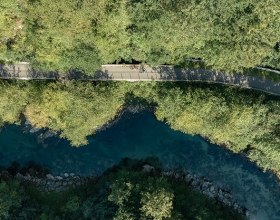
237,119
12,30
13,100
11,199
138,198
61,107
157,203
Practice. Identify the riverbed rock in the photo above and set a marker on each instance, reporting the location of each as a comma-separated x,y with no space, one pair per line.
49,176
59,178
27,122
60,183
208,188
34,130
188,178
148,168
48,134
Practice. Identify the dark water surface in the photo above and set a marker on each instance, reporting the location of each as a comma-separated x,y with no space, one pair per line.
140,136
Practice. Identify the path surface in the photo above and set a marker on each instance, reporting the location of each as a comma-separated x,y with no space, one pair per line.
145,73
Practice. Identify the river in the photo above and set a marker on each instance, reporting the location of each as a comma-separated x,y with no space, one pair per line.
140,136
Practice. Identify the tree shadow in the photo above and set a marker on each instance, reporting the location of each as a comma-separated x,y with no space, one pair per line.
98,75
35,74
9,71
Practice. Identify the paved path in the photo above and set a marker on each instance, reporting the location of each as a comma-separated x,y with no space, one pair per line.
145,73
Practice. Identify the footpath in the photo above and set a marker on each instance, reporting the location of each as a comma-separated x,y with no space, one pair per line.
134,73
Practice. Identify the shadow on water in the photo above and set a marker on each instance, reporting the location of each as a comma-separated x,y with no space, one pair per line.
140,136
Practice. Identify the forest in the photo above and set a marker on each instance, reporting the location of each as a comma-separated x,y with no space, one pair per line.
82,35
245,121
122,193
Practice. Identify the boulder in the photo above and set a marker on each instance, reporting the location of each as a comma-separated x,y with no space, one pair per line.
59,178
148,168
34,130
50,177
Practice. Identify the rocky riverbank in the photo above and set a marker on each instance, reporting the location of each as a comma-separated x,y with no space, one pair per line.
46,182
42,133
49,183
55,183
204,186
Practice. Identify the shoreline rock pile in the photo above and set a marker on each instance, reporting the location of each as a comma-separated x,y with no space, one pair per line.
54,183
51,183
204,186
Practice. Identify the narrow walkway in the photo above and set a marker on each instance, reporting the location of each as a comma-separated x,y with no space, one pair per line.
134,73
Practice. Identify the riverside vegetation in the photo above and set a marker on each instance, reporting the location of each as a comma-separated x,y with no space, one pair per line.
124,192
83,34
244,121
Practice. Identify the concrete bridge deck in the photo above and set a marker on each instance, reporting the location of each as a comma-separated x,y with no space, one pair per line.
135,73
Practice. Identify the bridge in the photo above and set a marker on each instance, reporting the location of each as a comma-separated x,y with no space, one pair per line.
134,73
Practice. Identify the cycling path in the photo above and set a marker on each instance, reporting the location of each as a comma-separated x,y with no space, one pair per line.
132,73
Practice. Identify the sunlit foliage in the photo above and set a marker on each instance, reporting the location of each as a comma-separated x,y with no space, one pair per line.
70,34
77,110
242,120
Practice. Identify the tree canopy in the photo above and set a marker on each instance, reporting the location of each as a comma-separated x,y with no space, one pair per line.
122,193
242,120
71,34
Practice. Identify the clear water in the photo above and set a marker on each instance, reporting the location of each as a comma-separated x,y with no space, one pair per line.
140,136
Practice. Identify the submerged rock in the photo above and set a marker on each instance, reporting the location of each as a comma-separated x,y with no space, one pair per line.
49,176
59,178
34,130
147,168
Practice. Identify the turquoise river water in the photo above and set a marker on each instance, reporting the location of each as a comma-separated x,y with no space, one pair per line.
140,136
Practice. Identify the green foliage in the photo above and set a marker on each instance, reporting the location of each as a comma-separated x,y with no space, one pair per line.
15,203
62,107
157,203
227,116
137,199
10,199
274,59
123,194
12,32
231,35
81,35
13,100
242,120
237,34
70,34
